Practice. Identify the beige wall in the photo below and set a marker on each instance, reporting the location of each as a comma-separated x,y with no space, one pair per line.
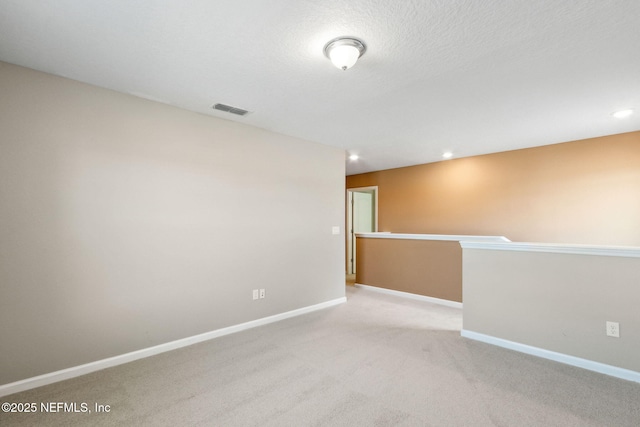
127,223
577,192
423,267
557,302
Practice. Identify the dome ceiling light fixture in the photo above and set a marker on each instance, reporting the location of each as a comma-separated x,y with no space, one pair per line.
344,51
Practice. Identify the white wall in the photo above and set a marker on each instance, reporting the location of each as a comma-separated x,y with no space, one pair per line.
126,223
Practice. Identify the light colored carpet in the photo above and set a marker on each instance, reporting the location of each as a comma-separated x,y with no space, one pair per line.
377,360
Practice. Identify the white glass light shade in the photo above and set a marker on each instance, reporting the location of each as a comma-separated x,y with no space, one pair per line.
344,52
344,57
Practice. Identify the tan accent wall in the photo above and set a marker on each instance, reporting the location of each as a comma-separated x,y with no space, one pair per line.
557,302
577,192
126,223
423,267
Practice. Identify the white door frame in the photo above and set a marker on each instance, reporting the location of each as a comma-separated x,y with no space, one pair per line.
350,235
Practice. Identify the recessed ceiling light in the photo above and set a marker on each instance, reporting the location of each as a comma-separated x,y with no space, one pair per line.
447,154
623,114
354,157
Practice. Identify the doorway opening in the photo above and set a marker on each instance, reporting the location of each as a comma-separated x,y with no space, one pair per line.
362,217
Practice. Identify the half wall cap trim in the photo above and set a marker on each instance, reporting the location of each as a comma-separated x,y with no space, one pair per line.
449,237
618,251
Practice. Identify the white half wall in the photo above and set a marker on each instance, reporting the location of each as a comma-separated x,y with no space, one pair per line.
556,299
126,223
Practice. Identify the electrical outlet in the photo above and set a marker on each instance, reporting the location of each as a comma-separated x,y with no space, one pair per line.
256,295
262,293
613,329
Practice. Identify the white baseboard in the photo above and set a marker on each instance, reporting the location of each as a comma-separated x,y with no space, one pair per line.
77,371
590,365
448,303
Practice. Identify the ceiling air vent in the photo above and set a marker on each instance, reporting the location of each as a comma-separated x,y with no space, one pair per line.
229,109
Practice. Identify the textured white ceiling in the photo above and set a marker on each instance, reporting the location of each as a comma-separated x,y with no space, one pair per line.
472,77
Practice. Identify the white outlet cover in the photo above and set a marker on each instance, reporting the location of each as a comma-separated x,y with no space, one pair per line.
335,229
613,329
255,294
262,293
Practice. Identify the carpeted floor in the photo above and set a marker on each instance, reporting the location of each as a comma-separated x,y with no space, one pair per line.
377,360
